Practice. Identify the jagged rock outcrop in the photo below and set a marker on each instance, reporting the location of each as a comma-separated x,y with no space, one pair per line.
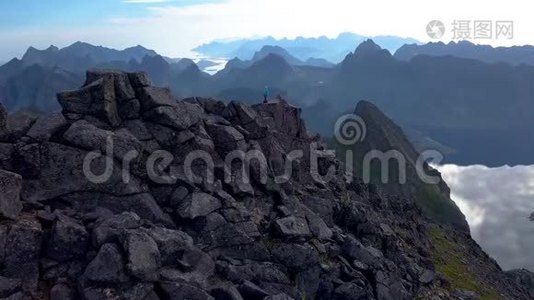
403,166
99,222
524,278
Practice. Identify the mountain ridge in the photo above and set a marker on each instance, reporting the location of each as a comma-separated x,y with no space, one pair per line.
515,55
332,50
448,100
168,237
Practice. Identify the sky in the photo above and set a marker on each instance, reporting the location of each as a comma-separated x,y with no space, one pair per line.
497,203
174,27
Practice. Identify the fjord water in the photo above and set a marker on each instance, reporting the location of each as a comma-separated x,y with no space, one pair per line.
497,203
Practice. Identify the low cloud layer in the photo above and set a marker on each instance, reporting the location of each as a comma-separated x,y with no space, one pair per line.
497,203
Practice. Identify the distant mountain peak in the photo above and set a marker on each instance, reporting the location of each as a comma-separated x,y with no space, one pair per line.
367,52
367,47
80,44
272,59
277,50
52,48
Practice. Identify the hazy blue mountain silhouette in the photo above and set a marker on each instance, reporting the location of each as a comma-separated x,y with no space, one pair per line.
330,49
479,112
33,81
464,49
79,56
278,51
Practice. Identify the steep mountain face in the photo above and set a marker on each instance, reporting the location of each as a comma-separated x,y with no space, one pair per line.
402,169
449,99
464,49
102,201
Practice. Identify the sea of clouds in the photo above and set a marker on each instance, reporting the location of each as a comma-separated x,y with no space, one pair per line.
497,203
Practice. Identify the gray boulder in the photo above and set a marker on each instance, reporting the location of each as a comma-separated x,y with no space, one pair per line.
10,186
295,256
139,79
109,229
62,173
68,240
171,243
85,135
197,205
226,138
247,118
121,82
95,99
143,205
192,265
180,115
151,97
142,255
21,250
46,126
318,227
356,250
107,266
427,276
210,105
292,227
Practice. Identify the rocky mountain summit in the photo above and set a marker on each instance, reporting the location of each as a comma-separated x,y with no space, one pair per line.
104,201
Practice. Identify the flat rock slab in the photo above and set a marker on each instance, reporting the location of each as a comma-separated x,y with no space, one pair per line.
291,227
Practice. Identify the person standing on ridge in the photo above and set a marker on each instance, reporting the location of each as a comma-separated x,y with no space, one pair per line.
265,94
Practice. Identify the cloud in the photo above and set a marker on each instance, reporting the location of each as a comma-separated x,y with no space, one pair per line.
497,203
173,28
